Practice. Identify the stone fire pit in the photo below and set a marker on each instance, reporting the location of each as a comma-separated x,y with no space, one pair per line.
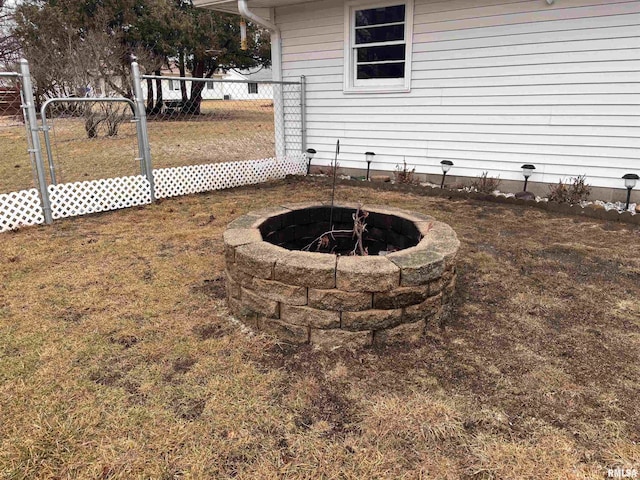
331,300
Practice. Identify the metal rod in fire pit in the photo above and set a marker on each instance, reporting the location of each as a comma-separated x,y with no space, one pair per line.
333,191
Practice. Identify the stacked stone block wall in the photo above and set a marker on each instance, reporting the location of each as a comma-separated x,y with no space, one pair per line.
333,300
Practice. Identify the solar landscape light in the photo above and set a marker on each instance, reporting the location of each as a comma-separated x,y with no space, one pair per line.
446,166
527,171
630,180
369,156
310,153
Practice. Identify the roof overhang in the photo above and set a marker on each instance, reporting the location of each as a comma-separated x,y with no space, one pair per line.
231,6
219,5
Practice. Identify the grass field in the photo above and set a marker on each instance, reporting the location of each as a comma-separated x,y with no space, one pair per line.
118,359
226,131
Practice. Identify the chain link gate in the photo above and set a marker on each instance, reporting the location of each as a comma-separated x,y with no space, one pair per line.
21,182
95,155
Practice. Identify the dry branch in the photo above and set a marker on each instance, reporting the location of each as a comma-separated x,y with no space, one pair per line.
357,232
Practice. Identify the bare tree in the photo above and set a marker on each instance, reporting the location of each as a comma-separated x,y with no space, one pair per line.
9,46
74,46
75,61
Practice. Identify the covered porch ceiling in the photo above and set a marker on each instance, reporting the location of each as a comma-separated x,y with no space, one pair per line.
231,6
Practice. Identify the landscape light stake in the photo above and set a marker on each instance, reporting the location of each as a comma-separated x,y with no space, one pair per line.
446,166
369,156
527,171
629,182
333,190
310,153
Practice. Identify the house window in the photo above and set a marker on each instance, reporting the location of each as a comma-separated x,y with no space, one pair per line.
174,85
378,46
210,85
252,87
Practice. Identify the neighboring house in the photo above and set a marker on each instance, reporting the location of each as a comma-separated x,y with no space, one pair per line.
487,84
171,86
253,88
229,85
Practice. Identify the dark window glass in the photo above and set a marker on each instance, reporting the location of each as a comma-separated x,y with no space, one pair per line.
384,70
381,54
253,87
380,34
376,16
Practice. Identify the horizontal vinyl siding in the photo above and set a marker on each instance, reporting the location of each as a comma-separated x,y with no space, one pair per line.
495,84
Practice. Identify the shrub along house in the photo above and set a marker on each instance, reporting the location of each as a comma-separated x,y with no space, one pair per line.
487,84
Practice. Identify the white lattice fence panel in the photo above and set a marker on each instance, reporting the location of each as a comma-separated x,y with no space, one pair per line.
20,208
295,164
80,198
171,182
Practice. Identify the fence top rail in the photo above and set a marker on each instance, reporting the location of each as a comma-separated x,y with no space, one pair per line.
48,102
191,79
9,74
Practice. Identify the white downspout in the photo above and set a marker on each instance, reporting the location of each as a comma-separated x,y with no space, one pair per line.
276,68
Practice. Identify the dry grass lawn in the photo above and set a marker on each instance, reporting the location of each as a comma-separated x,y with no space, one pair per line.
226,131
118,359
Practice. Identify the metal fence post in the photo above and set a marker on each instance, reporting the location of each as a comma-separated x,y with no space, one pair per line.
36,148
143,135
143,166
47,143
303,113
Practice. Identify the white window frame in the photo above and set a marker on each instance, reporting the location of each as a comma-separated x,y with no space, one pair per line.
174,85
375,85
249,84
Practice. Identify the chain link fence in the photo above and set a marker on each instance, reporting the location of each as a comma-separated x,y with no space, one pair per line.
194,121
233,121
86,155
293,106
16,172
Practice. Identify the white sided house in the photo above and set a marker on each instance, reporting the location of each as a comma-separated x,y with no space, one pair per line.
223,85
171,90
487,84
251,87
